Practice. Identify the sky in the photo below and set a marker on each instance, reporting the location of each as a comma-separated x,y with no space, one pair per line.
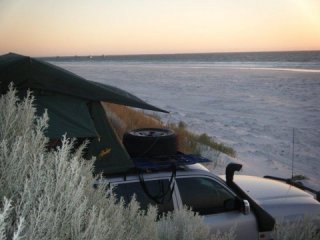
116,27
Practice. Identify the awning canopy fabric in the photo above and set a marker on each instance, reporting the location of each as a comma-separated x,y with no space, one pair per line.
26,72
67,115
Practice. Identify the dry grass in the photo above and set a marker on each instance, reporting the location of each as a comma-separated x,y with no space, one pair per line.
189,142
124,119
130,119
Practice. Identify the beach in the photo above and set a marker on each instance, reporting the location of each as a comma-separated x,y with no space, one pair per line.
267,111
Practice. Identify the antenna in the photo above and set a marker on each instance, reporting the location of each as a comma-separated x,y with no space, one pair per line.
292,153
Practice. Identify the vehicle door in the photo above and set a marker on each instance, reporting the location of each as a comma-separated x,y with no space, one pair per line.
155,191
217,204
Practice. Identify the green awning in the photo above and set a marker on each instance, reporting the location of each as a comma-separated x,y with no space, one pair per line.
30,73
111,156
67,115
73,105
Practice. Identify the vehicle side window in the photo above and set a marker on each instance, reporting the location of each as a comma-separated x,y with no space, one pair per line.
155,188
204,195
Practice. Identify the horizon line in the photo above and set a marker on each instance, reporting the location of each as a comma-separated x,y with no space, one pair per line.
184,53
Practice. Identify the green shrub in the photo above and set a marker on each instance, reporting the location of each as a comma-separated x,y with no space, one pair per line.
302,229
51,195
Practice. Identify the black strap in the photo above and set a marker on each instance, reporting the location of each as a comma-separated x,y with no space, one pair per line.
159,199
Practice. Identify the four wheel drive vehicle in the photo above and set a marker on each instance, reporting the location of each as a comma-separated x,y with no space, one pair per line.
250,205
220,205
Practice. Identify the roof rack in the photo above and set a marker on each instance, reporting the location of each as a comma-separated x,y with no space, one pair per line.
168,162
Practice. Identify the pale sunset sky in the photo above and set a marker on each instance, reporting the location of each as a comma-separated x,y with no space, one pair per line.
96,27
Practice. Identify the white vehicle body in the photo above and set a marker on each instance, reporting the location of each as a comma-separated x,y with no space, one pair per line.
209,195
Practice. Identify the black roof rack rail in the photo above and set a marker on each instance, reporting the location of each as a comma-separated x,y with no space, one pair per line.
297,185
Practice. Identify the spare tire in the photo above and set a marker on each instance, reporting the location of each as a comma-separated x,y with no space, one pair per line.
150,142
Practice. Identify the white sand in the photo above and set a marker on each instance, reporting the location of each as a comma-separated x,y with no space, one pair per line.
253,110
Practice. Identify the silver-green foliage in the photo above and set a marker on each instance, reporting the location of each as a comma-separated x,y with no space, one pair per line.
187,225
51,194
303,229
182,224
52,190
4,216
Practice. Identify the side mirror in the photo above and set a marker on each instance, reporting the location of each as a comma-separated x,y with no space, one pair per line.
245,207
237,204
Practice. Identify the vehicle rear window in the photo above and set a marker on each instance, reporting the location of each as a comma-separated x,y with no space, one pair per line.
203,195
158,190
